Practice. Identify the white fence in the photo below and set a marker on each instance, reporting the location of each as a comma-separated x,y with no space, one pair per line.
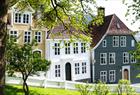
42,82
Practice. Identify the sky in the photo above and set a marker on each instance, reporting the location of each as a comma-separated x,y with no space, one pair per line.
118,8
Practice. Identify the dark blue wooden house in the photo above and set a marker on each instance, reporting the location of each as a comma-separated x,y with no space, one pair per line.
111,58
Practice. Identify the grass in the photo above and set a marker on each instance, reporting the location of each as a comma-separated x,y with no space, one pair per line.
17,90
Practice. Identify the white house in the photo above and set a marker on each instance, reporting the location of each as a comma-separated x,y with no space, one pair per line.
69,60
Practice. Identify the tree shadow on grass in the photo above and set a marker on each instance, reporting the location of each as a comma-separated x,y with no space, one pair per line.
11,90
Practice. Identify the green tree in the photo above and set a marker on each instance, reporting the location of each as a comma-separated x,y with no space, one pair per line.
48,13
22,59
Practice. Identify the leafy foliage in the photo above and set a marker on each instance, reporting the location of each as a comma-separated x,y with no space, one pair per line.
101,89
22,59
68,13
84,89
124,87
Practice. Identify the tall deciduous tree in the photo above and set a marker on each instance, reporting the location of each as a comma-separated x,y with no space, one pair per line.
48,13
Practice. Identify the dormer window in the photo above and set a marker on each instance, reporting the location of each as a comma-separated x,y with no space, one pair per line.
17,17
25,18
22,18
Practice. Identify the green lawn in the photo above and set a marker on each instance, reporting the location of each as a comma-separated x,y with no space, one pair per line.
17,90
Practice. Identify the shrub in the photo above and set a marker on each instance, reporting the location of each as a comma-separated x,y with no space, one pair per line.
84,89
125,88
101,89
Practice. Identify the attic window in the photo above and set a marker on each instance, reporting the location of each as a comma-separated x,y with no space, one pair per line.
118,26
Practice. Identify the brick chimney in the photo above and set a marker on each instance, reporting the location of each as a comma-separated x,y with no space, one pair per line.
101,11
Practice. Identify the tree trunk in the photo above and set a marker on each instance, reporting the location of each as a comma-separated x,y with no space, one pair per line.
3,33
25,88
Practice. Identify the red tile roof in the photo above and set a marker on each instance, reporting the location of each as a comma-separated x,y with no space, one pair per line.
112,26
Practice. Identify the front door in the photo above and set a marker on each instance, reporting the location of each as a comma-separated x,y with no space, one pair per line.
68,71
126,74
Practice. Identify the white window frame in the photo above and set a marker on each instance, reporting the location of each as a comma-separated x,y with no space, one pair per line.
132,58
75,48
84,67
104,57
27,18
28,36
103,76
132,43
19,16
83,47
123,41
67,48
56,48
22,17
38,36
112,57
115,41
14,34
125,57
112,76
77,68
57,71
104,43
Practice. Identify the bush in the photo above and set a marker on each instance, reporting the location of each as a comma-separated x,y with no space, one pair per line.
101,89
84,89
125,88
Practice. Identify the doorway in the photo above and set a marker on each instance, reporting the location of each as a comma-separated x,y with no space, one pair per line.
126,74
68,71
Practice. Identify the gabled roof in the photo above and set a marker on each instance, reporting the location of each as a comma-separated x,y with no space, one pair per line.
59,32
27,8
112,26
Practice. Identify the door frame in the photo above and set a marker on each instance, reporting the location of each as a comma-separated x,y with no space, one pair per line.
128,68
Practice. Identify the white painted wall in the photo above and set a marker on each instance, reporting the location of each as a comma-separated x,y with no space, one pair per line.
63,58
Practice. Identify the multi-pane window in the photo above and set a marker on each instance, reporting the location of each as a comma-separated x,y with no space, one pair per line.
22,18
132,58
67,48
83,47
123,41
77,68
104,43
17,17
84,68
27,37
103,58
13,35
115,41
57,70
25,18
75,48
38,36
57,48
112,75
111,58
125,57
103,76
132,43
